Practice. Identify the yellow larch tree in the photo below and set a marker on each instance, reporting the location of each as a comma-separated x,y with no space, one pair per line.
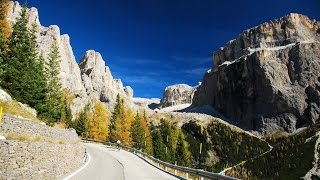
147,134
4,24
98,126
123,117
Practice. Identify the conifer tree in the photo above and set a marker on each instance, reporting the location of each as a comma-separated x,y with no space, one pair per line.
17,56
38,79
182,153
81,122
66,115
115,115
54,96
159,148
170,136
137,133
24,77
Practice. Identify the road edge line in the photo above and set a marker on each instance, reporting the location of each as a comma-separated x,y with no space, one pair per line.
80,169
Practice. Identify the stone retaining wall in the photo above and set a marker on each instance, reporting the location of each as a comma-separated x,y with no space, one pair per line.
14,125
38,160
44,153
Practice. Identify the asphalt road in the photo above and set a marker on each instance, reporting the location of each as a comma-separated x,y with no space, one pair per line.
108,163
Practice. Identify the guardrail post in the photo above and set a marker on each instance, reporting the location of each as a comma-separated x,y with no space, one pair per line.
201,178
187,175
175,170
165,168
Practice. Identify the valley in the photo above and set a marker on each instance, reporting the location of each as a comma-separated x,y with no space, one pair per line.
254,115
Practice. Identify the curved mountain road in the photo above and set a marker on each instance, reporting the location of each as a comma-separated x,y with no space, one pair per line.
109,163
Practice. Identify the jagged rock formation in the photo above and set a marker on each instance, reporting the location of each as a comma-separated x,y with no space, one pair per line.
268,78
177,94
129,91
98,81
90,83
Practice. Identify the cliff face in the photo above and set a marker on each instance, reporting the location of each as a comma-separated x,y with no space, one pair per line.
177,94
98,81
91,81
268,78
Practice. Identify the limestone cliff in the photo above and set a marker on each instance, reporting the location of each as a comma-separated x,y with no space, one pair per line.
177,94
90,83
268,78
98,81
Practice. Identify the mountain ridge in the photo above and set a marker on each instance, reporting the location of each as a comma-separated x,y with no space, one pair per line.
261,80
72,74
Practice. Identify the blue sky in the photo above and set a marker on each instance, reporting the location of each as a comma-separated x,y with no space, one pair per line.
151,44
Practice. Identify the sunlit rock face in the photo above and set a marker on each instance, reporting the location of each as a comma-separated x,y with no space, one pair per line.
177,94
89,81
70,72
268,78
98,81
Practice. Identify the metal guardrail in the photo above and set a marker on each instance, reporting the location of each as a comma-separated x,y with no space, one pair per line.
201,174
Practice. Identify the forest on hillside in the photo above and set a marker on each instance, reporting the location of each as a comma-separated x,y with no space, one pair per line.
290,158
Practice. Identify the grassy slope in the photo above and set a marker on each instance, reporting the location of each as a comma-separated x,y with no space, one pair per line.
15,109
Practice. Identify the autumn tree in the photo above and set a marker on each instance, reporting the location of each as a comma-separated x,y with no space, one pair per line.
146,133
98,123
4,34
120,123
126,123
4,24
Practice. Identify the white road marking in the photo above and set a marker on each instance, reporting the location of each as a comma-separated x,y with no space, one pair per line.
84,166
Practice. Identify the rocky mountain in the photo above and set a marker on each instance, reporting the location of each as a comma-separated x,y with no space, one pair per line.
146,103
98,81
177,94
268,78
89,81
